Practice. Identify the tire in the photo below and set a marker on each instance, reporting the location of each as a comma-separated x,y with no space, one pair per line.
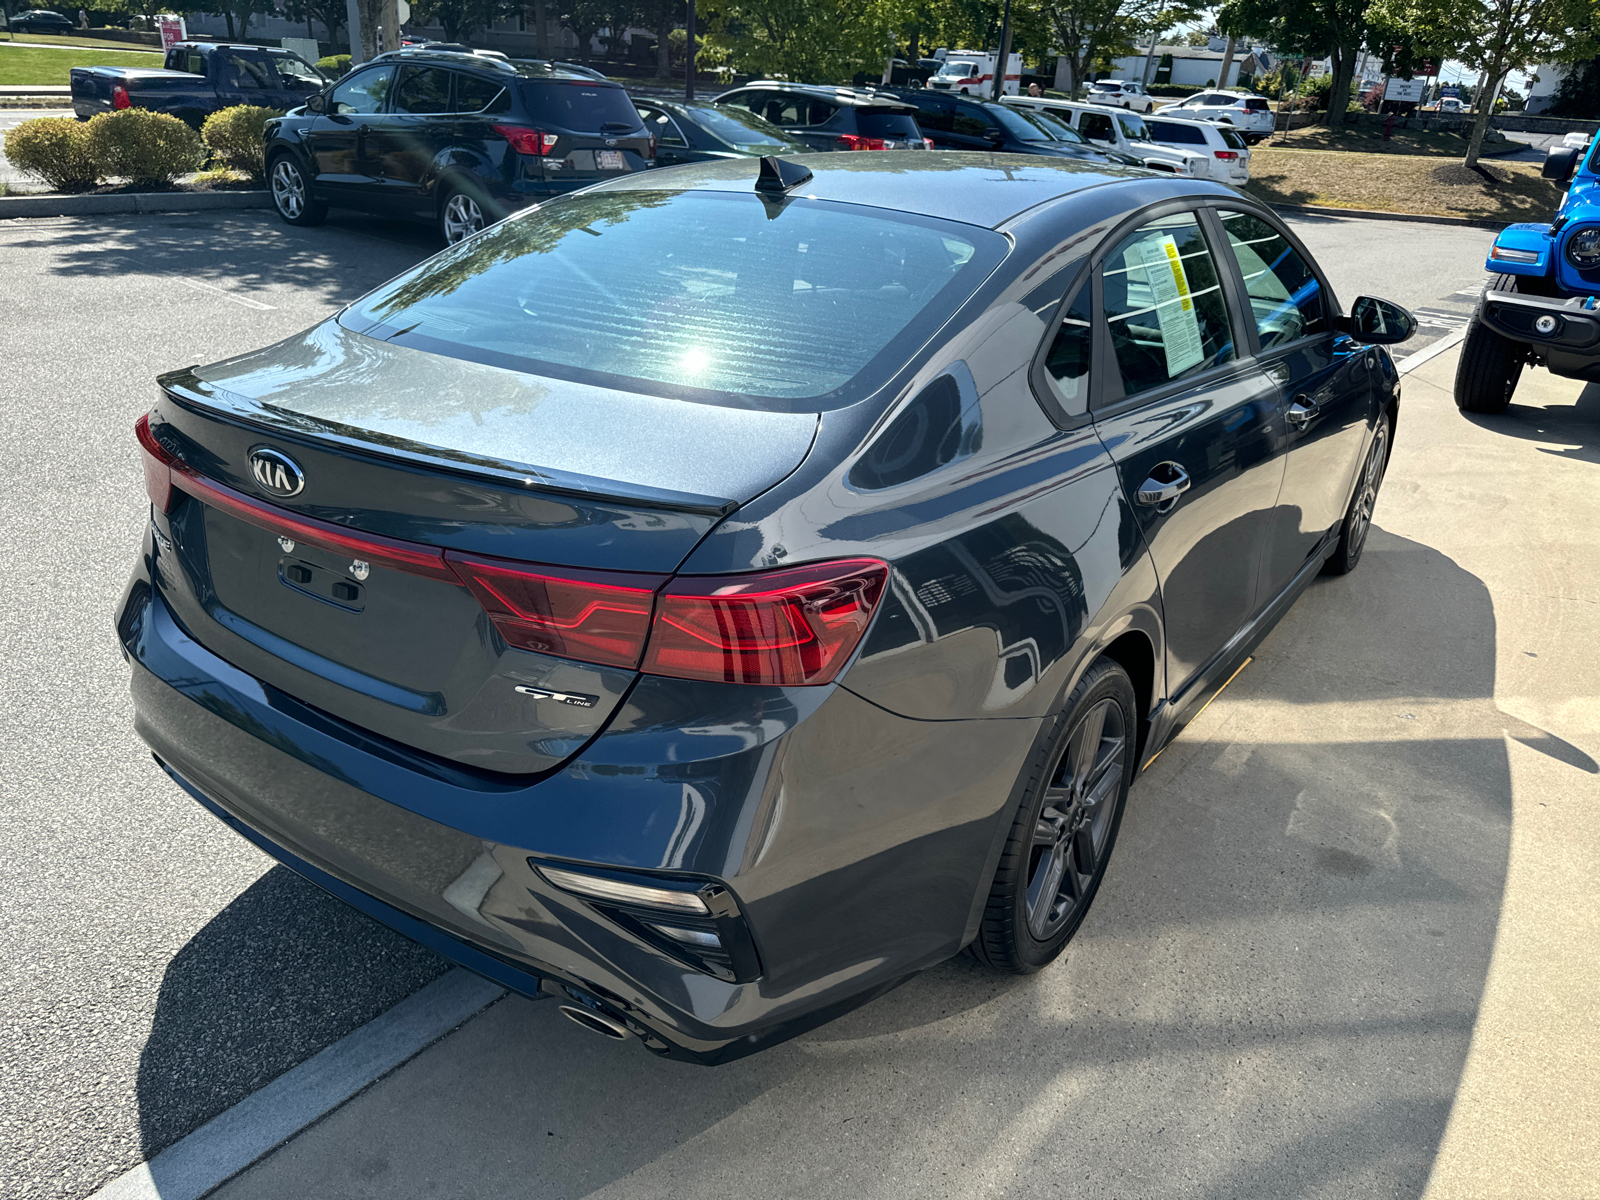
1490,365
291,193
460,215
1067,821
1358,517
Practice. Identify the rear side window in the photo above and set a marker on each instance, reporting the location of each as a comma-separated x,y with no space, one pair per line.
580,107
422,90
1067,364
887,125
477,95
935,115
819,112
249,72
1096,127
1164,304
364,93
972,121
1286,297
1171,131
709,296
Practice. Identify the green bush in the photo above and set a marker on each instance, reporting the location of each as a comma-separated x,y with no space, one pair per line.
147,148
54,150
334,66
238,136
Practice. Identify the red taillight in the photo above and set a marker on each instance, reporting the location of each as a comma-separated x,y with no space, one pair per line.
527,141
595,616
119,97
157,465
792,627
854,141
1227,155
927,143
652,146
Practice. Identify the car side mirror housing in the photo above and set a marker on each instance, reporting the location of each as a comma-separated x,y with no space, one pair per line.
317,103
1560,163
1379,322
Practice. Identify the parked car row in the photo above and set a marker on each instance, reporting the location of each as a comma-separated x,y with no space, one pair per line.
459,138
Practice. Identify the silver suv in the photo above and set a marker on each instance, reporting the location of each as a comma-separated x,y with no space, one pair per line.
1247,112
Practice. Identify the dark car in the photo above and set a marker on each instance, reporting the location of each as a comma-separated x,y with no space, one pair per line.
716,596
197,79
956,122
832,118
699,132
460,139
39,20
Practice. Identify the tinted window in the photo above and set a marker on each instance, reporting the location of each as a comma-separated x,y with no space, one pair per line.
1256,105
363,93
1096,127
818,112
1024,126
248,72
1171,131
1055,122
935,114
704,293
664,127
1164,304
1285,296
422,90
736,126
887,125
972,121
475,95
582,107
1133,128
1067,364
1230,138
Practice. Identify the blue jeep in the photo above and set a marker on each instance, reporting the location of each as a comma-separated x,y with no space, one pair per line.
1542,303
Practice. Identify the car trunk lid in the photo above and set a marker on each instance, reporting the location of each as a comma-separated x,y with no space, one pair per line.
447,555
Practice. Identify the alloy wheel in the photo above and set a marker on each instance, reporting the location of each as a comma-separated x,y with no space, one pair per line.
288,189
462,218
1070,836
1371,480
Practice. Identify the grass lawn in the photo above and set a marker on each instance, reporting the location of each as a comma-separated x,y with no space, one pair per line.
54,39
1403,184
20,65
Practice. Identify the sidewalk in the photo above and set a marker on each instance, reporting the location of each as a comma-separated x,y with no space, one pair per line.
1346,946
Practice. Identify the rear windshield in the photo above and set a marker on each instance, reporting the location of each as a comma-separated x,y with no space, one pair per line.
580,107
1256,105
1171,131
1233,140
711,296
886,125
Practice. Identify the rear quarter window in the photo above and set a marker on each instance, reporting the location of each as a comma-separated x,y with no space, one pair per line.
1170,131
580,107
1233,140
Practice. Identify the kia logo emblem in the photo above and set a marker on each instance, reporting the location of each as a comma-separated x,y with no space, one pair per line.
276,472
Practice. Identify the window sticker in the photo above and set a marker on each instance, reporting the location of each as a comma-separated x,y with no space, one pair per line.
1180,325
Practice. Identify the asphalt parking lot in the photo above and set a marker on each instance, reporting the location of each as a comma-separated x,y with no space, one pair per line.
1277,993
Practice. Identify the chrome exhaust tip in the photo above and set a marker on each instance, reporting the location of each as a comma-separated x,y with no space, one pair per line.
598,1022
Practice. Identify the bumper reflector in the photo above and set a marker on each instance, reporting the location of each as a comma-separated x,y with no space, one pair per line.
598,888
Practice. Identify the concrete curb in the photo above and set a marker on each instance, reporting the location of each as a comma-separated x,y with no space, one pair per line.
129,202
1316,210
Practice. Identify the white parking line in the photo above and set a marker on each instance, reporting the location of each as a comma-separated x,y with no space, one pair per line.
231,1141
223,292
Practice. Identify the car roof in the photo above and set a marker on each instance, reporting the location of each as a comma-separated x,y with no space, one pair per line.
973,188
839,95
445,58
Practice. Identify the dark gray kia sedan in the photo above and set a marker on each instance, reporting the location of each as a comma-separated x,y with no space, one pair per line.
714,596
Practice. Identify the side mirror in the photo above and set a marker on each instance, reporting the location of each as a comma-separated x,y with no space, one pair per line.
996,138
1379,322
1560,163
317,103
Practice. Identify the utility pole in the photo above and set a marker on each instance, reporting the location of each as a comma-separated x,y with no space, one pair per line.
1155,39
688,74
888,63
352,17
1227,62
1005,54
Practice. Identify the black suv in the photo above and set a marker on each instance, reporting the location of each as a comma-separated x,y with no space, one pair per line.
460,139
832,118
954,122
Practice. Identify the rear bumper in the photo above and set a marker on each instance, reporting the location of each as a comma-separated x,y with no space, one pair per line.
858,844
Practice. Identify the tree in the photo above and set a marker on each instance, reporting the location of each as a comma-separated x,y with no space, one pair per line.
659,17
1334,29
1497,37
1088,30
459,19
331,13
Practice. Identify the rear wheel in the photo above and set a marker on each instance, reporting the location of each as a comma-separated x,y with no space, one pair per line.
1487,372
1358,517
1061,839
291,194
460,216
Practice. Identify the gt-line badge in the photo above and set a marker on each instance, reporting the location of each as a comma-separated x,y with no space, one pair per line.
575,698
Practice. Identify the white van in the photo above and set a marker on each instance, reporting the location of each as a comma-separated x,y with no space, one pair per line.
971,73
1119,130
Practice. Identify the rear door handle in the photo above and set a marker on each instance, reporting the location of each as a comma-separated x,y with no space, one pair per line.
1301,409
1166,483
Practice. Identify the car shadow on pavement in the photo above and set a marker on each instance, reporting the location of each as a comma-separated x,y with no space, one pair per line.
1273,996
1574,428
281,972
